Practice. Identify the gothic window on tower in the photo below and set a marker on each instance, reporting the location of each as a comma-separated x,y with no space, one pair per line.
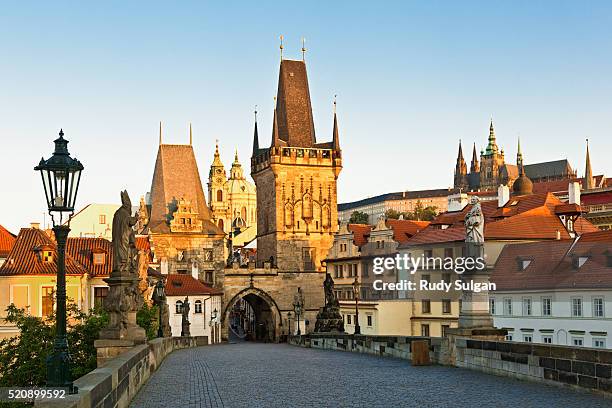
308,256
220,224
219,195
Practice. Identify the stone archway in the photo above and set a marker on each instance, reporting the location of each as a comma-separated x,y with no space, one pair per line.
267,317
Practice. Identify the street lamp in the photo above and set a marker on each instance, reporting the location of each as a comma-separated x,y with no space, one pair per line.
289,322
298,306
356,287
160,295
60,175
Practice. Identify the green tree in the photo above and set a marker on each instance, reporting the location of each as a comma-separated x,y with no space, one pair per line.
148,319
358,217
392,214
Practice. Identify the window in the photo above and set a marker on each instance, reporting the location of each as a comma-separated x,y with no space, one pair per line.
364,269
577,307
446,277
102,218
219,195
98,258
47,294
598,307
524,264
547,339
527,338
492,305
348,319
47,256
448,252
425,306
599,343
425,330
428,253
99,295
198,306
526,306
445,328
426,278
369,319
546,306
509,337
209,276
446,306
178,307
182,271
508,307
577,341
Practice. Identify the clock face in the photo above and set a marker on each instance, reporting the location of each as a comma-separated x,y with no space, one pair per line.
218,171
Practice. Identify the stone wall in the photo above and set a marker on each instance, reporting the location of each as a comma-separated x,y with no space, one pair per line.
116,384
385,346
553,364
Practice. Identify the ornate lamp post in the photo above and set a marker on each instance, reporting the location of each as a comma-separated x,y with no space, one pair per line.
160,295
356,287
60,175
289,322
298,307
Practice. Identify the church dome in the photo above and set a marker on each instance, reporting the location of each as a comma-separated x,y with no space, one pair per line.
522,185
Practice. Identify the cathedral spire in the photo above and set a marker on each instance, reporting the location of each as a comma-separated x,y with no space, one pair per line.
255,136
588,172
492,146
460,169
336,139
474,167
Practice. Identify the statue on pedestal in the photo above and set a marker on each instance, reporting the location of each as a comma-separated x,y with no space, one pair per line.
329,318
474,230
185,332
124,297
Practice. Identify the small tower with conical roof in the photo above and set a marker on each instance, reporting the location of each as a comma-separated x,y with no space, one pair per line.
588,172
461,180
523,184
216,194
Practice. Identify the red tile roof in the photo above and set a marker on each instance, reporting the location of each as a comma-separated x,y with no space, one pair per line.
82,250
600,197
187,285
25,257
404,229
553,264
361,232
522,217
7,240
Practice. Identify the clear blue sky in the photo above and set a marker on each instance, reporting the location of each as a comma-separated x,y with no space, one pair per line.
412,79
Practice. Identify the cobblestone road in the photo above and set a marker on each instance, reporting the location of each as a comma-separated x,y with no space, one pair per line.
271,375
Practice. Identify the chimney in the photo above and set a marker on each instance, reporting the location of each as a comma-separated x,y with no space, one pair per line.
573,191
503,195
35,225
194,270
457,202
558,235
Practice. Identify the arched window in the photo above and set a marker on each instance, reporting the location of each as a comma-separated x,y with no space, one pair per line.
198,306
178,307
220,224
219,195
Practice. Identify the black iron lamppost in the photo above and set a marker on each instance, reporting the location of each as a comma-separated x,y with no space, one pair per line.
356,287
289,323
160,295
61,175
298,307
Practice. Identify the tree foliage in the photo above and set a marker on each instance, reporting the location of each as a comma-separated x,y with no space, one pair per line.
358,217
148,319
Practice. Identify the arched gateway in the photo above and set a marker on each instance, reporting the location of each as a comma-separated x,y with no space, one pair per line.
253,314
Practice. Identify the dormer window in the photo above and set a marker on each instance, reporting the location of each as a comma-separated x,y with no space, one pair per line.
523,263
579,261
47,256
99,258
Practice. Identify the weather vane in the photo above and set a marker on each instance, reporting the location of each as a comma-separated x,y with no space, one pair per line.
303,49
281,46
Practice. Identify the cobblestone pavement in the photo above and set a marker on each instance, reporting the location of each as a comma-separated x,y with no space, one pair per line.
272,375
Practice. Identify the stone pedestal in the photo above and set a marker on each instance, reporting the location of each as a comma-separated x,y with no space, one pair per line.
474,311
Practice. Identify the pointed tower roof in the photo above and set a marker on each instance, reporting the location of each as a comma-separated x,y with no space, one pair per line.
295,124
474,167
276,141
460,153
519,156
336,138
176,176
588,172
255,136
217,159
492,146
236,170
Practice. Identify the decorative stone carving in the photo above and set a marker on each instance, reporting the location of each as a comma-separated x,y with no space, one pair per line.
329,318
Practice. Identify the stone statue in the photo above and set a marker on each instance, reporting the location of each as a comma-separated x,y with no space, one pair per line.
185,332
329,318
124,239
474,223
124,297
161,302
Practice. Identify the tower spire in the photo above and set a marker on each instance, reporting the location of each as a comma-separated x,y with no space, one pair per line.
492,145
519,158
460,169
281,47
588,172
336,138
160,133
474,167
303,49
275,136
190,135
255,136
